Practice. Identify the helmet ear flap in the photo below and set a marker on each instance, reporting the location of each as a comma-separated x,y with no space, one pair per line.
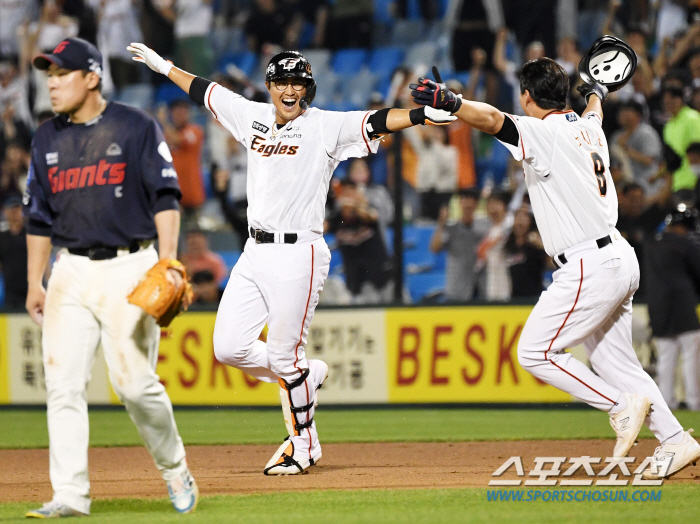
306,100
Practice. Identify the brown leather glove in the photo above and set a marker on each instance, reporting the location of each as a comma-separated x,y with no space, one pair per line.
159,297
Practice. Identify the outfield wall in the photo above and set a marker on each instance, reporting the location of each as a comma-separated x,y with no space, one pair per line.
393,355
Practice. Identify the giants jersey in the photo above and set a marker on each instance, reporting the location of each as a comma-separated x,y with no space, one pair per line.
567,172
95,184
289,169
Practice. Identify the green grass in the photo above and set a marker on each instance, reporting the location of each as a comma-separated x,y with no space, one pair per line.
678,503
27,429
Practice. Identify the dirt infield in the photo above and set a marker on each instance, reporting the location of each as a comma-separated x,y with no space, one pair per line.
129,472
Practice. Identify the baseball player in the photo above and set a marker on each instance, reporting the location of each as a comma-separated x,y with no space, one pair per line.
292,152
566,163
102,188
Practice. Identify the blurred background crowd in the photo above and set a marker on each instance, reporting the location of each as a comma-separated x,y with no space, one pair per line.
468,232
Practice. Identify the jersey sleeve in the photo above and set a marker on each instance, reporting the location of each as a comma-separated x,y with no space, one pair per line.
593,117
158,174
230,109
345,135
533,143
35,205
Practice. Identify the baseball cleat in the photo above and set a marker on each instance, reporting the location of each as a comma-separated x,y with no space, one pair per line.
669,459
628,423
284,463
184,493
53,510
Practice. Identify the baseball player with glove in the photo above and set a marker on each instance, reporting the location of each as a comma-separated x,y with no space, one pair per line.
292,152
102,187
566,164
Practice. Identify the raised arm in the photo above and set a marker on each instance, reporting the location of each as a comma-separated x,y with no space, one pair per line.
148,56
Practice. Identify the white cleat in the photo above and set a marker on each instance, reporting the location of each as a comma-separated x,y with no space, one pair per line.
53,510
628,423
669,459
283,461
184,493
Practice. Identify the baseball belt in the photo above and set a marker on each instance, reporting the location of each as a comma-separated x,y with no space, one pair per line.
267,237
601,242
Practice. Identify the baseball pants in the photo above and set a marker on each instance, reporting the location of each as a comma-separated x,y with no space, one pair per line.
668,348
590,303
85,304
277,284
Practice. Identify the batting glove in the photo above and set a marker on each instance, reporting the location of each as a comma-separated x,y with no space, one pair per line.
597,89
429,116
429,93
150,58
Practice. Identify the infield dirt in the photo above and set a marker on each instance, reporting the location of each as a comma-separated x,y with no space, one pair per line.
129,471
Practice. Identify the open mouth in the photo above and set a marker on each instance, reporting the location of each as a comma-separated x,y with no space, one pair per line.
289,102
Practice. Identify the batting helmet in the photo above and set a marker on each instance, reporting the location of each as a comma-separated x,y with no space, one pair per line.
685,215
292,64
610,62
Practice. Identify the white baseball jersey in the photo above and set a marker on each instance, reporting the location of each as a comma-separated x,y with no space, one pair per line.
567,172
289,169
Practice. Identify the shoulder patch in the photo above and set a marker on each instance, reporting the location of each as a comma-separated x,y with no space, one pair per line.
571,117
164,151
52,158
258,126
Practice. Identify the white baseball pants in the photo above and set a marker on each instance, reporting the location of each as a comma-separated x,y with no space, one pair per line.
668,348
85,303
278,284
590,303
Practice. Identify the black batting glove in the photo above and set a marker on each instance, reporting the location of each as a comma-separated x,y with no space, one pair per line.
429,93
597,89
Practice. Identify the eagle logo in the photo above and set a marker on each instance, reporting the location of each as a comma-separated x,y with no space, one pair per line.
289,63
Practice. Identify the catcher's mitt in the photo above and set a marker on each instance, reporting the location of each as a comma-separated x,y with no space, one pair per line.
159,297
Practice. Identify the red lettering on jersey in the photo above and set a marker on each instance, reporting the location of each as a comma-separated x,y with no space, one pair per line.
87,176
292,150
578,140
53,179
61,176
60,47
102,168
116,174
282,150
72,177
256,139
268,150
586,138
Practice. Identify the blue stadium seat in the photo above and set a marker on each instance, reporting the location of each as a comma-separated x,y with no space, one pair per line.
384,11
245,61
330,240
356,89
336,266
137,95
168,93
424,53
423,285
440,261
417,237
320,60
384,60
230,258
405,32
418,261
2,292
349,61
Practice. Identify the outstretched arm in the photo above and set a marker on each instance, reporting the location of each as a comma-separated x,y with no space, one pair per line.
148,56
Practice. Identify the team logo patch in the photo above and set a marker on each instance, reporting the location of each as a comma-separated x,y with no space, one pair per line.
270,69
260,127
164,151
168,172
289,63
114,149
51,158
571,117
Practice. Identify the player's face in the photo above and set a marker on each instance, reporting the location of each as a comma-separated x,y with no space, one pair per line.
286,94
68,90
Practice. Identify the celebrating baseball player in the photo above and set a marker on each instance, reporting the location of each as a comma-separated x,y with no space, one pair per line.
566,163
102,188
292,152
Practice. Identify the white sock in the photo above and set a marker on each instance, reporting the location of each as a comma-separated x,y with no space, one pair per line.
675,439
619,406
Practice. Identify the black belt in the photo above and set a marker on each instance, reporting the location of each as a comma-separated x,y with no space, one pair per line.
102,252
602,242
265,237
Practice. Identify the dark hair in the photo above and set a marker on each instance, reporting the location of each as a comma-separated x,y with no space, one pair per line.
510,246
632,186
503,196
546,81
632,105
470,192
179,102
693,148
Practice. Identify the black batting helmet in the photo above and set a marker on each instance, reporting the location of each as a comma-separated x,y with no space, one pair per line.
292,64
685,215
610,62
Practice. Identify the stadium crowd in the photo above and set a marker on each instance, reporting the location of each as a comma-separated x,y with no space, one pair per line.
470,234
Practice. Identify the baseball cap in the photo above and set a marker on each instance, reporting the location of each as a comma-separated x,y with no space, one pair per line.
73,54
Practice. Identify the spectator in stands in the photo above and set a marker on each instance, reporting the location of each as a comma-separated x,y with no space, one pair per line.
491,257
378,197
12,129
205,287
117,27
267,23
460,133
13,171
185,141
679,132
13,254
14,92
640,142
694,101
307,12
13,15
158,24
378,162
568,55
235,210
460,239
365,259
525,255
198,257
693,154
350,24
509,69
672,284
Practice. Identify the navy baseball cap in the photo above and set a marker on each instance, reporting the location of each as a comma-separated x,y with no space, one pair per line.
73,54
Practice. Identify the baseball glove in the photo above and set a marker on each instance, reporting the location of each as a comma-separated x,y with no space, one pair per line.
159,297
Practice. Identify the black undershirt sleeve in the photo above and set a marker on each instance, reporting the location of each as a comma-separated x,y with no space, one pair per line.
198,88
509,132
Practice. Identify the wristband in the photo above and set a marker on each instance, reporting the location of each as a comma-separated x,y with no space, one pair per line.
417,116
165,66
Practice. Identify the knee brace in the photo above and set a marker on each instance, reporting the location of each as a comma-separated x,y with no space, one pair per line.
297,403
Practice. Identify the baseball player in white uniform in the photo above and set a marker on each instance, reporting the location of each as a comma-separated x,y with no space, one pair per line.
292,152
566,164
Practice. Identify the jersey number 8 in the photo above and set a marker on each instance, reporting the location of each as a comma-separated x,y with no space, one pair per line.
599,169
